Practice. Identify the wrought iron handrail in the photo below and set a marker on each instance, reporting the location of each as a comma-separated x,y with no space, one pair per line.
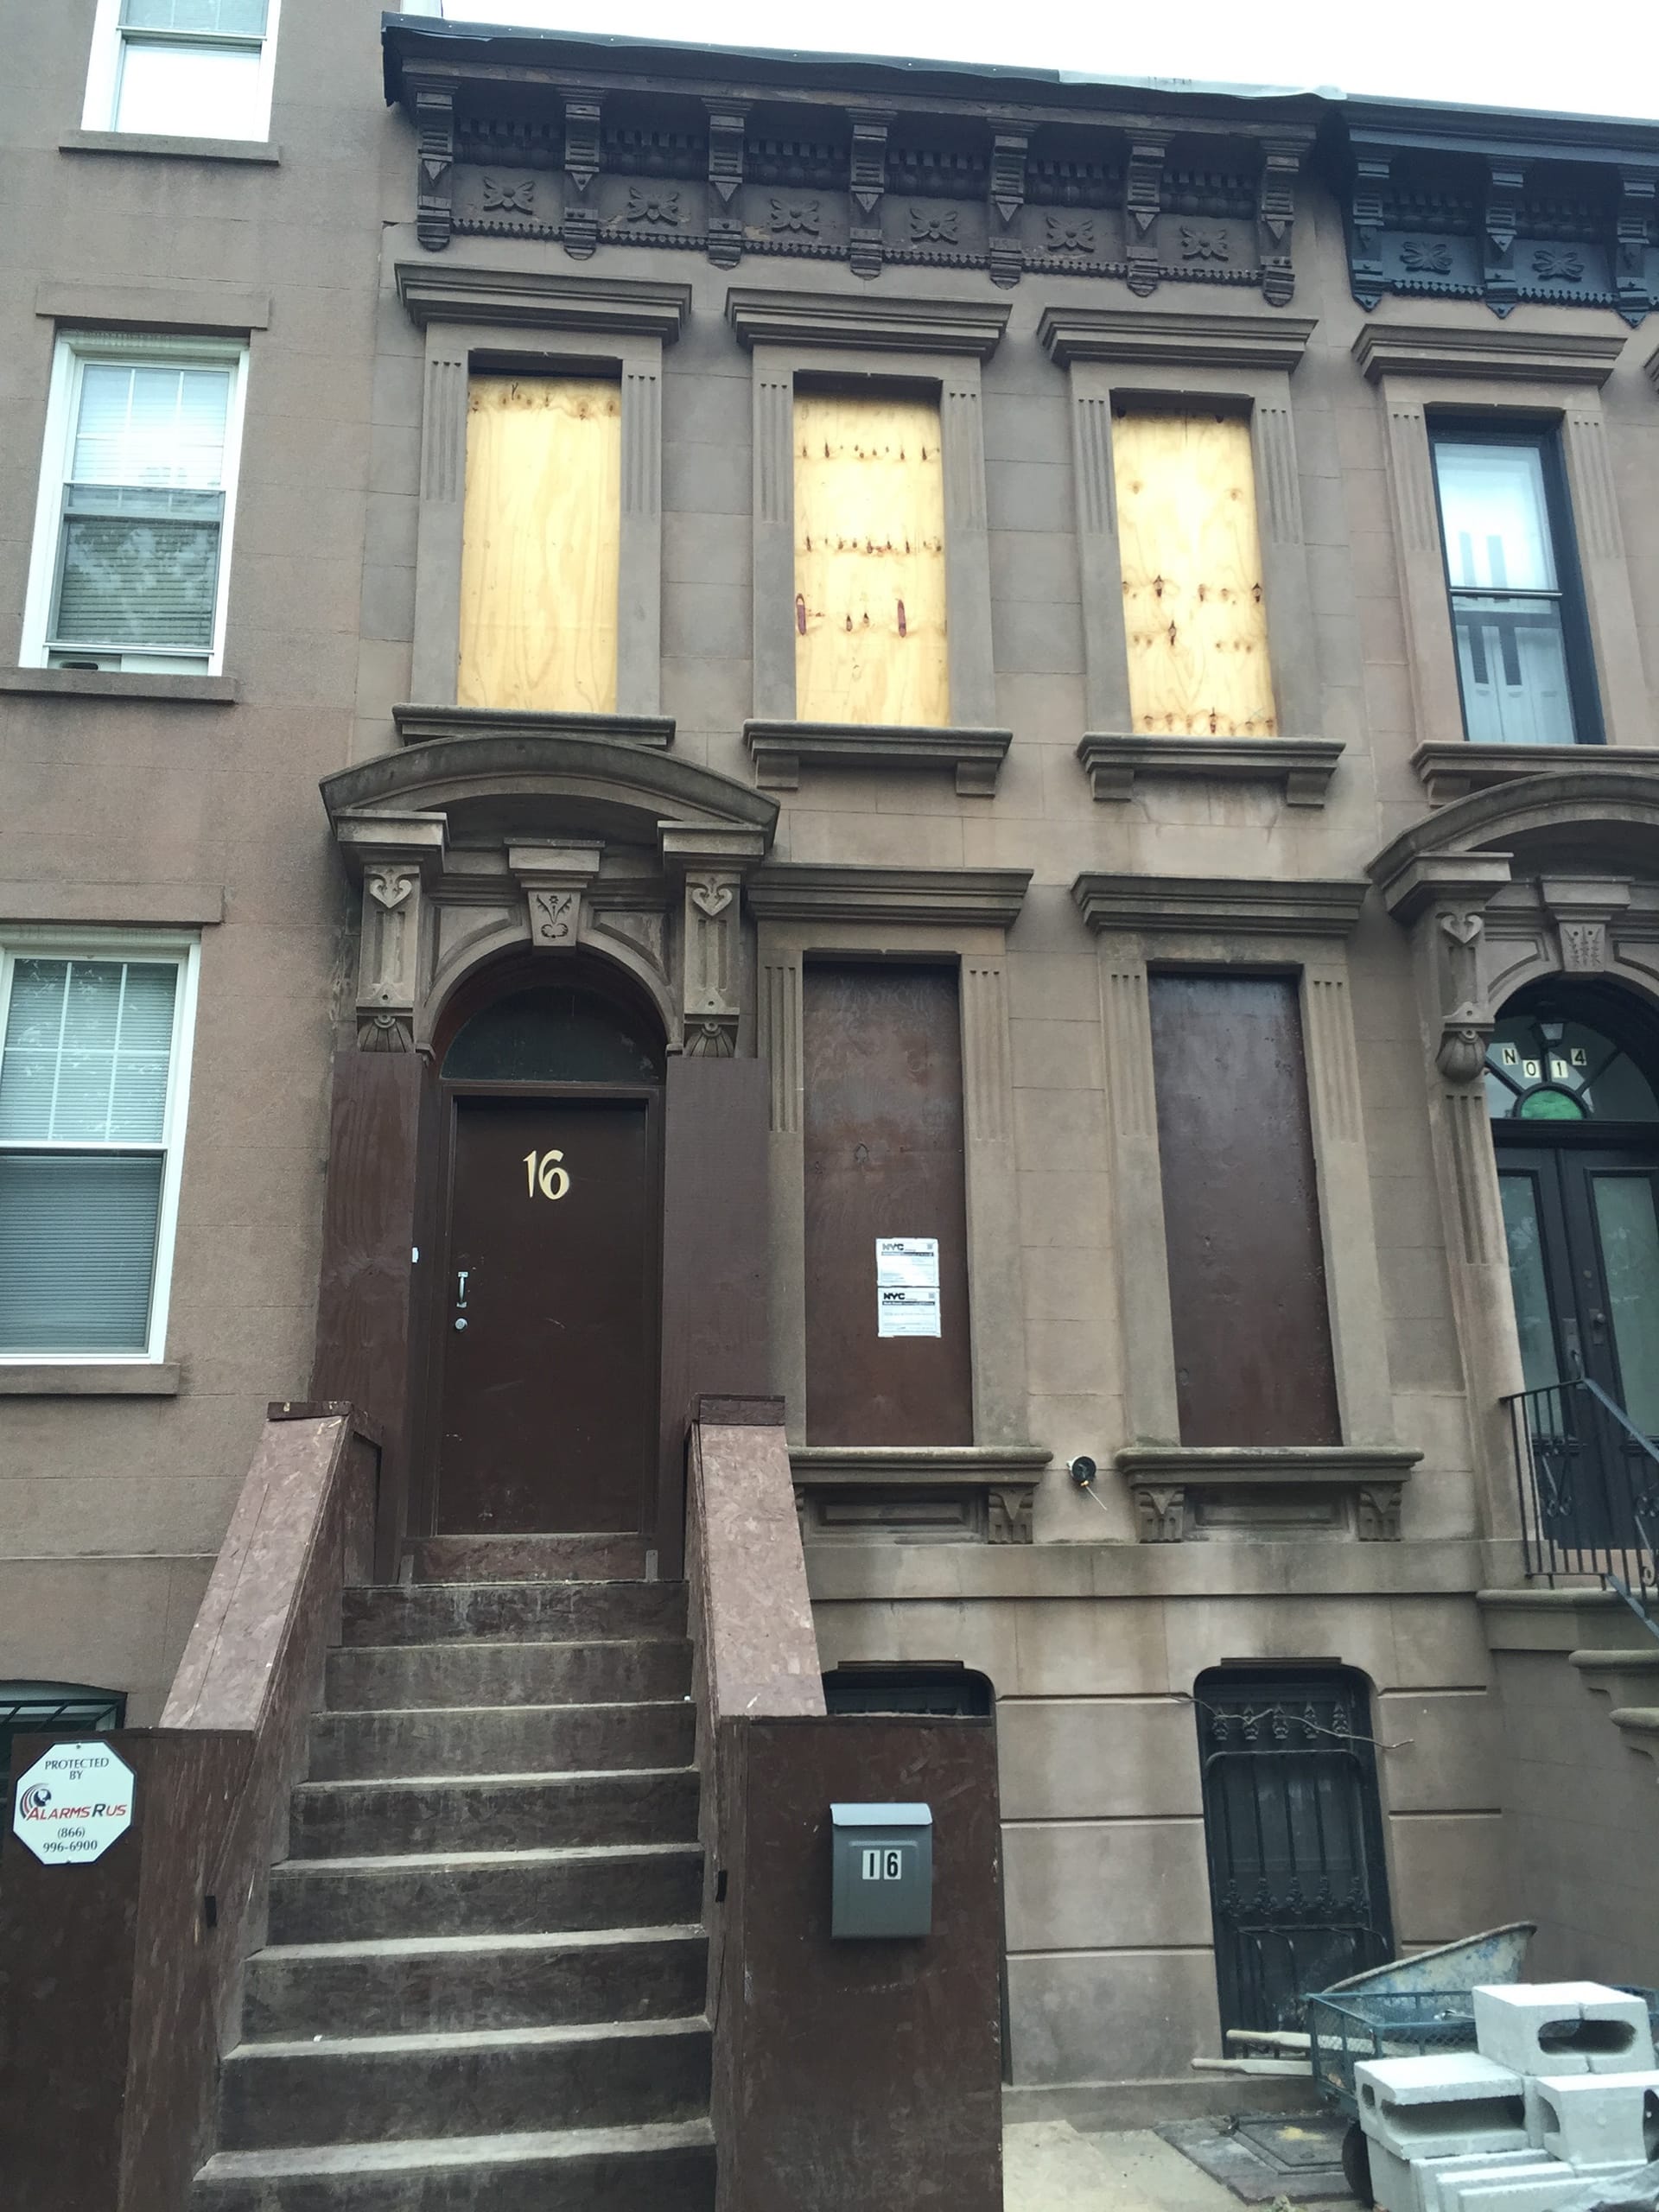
1588,1482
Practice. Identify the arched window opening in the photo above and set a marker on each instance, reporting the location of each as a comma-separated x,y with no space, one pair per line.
1546,1066
553,1033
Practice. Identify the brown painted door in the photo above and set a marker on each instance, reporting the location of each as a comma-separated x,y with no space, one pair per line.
883,1128
1246,1294
549,1398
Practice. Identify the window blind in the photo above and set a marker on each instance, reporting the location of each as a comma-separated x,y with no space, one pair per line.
212,18
143,510
77,1250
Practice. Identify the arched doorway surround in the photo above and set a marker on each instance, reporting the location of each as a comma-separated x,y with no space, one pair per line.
1548,881
506,855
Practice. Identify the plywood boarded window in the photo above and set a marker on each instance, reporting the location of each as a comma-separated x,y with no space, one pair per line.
1194,612
882,1056
869,561
543,529
1247,1293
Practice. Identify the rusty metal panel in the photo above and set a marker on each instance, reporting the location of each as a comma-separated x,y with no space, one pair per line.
1252,1329
550,1390
883,1141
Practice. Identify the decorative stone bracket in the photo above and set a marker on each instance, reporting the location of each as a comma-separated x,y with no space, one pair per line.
1584,910
711,865
397,857
554,880
1163,1480
1447,894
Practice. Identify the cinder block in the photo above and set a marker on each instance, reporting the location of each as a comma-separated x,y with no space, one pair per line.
1595,2120
1395,2186
1452,2104
1434,2177
1537,2188
1563,2027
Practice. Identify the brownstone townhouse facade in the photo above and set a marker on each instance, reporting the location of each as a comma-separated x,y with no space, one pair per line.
989,738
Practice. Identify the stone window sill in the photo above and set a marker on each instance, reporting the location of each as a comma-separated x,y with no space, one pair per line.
917,1494
780,750
94,1379
1453,771
1164,1480
1303,765
120,684
170,148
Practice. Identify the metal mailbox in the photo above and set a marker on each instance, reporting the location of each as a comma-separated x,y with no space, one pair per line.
883,1877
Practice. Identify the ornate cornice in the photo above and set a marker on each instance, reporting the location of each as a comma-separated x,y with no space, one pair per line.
1426,349
1216,904
872,323
1161,1477
596,144
1131,335
955,897
537,299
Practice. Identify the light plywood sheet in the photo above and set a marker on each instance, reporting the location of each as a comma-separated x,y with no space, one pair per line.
869,562
1193,607
542,541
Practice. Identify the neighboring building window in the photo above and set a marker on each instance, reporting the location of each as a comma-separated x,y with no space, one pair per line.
95,1049
137,488
1523,647
182,68
1195,614
540,554
55,1709
870,625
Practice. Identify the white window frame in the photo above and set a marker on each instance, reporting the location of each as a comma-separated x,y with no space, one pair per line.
104,76
185,951
74,350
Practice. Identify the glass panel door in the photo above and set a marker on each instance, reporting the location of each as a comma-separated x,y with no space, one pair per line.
1627,1232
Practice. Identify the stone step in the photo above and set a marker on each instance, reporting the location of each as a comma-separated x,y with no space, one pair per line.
512,1612
667,2165
493,1812
382,2088
600,1557
500,1739
383,1676
486,1893
404,1986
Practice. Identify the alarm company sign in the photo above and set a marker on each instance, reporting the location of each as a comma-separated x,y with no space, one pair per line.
72,1803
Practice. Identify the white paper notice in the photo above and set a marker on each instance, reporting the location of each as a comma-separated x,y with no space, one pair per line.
907,1287
906,1312
907,1263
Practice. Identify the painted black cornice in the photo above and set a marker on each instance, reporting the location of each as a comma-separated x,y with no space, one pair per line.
1454,203
597,143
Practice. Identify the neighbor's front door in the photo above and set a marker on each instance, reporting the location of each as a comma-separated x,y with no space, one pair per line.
548,1397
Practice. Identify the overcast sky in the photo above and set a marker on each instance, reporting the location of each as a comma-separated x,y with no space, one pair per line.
1599,57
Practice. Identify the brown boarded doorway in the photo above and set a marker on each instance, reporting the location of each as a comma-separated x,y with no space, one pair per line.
881,1048
546,1381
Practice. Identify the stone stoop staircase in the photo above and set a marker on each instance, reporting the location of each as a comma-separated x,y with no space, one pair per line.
483,1987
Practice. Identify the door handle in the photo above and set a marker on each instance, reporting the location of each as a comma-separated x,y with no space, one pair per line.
461,1276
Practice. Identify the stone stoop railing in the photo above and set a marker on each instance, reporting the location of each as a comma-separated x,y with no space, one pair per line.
845,2074
120,1981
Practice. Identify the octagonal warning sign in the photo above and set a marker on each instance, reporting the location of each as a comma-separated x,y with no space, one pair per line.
72,1803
